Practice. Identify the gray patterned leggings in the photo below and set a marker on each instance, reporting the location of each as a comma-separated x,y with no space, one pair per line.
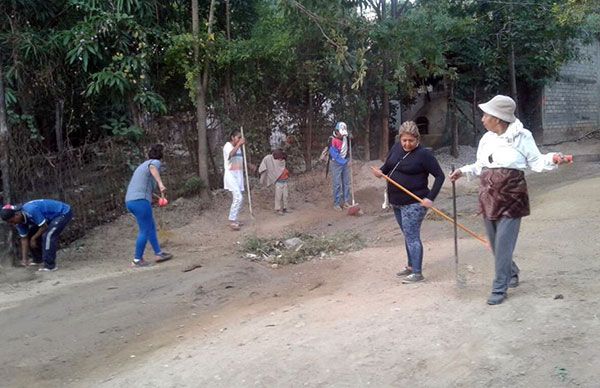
410,217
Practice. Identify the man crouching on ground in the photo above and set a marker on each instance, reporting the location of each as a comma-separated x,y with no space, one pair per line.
45,218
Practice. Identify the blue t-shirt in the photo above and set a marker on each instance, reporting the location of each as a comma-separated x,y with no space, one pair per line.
142,182
40,212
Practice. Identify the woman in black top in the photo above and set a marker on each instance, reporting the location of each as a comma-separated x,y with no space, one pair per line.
410,165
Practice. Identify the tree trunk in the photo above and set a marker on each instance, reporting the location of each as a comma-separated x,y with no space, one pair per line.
513,74
453,122
228,103
201,96
511,61
4,155
137,115
474,110
367,138
308,132
385,102
394,8
385,125
58,124
454,132
6,234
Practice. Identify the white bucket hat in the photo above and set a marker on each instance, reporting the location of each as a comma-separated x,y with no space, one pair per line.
502,107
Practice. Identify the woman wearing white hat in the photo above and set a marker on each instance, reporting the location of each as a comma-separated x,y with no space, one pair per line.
503,154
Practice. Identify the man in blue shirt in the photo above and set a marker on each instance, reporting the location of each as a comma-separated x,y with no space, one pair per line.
45,218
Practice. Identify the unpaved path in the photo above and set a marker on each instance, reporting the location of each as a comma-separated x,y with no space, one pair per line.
341,321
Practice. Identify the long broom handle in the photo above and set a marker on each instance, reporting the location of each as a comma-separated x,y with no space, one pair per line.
455,219
246,172
481,239
350,165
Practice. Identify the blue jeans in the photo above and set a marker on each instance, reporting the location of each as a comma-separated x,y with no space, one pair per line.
410,217
51,236
340,176
142,211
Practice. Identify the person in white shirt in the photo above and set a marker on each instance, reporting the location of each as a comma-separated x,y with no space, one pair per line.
503,154
233,175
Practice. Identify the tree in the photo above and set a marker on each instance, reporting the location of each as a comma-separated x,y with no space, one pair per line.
4,150
202,90
5,234
497,37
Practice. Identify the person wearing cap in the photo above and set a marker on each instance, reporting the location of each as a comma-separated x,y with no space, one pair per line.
340,172
410,164
39,223
138,201
503,154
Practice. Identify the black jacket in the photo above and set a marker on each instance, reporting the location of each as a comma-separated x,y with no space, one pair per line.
411,170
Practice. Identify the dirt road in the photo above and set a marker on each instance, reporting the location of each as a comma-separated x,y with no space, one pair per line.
341,321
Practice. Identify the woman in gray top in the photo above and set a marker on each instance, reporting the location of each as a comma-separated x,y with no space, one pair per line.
138,201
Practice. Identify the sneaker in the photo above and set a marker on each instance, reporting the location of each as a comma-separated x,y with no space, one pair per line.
406,271
140,263
35,263
287,211
279,212
496,298
163,256
46,269
514,282
337,208
413,278
234,226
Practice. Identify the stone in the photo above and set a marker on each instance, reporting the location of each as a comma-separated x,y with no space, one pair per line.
292,243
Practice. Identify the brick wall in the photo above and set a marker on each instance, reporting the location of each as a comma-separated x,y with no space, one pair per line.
571,105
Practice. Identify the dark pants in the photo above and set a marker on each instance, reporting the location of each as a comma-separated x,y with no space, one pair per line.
503,235
51,236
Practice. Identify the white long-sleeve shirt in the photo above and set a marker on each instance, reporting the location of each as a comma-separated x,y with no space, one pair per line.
515,148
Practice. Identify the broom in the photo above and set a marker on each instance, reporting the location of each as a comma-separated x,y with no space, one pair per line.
439,212
164,235
246,173
354,209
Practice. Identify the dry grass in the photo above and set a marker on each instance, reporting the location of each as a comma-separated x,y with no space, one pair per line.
273,250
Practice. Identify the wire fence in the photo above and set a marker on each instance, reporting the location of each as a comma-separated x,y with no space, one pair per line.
92,178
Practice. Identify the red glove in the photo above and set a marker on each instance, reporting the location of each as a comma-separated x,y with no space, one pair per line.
559,158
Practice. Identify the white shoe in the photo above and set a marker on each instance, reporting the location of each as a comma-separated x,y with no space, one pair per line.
44,269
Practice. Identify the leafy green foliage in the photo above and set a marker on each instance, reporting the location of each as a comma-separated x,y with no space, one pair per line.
120,128
193,186
289,64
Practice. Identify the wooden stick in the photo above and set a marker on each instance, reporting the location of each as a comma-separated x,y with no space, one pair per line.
246,172
439,212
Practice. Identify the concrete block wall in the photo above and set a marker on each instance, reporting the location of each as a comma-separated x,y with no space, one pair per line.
571,105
